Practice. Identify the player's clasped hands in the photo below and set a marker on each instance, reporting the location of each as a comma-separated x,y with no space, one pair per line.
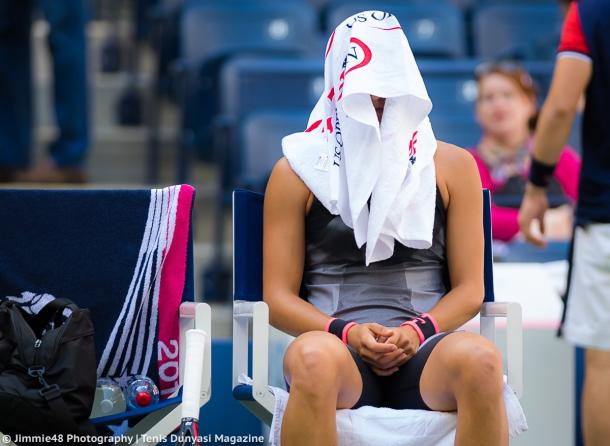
385,349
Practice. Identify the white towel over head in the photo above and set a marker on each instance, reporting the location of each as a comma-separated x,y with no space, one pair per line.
348,159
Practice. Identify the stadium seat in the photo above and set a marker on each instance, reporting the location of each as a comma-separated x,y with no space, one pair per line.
450,84
250,84
210,32
463,131
249,310
516,31
260,144
127,256
433,29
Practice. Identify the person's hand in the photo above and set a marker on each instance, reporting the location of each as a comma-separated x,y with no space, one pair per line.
407,341
365,339
531,214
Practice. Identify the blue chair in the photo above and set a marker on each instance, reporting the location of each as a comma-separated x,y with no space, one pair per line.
516,31
212,31
261,149
256,84
461,130
433,29
450,84
249,84
250,310
107,250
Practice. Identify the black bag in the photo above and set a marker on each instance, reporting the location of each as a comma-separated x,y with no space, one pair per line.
47,370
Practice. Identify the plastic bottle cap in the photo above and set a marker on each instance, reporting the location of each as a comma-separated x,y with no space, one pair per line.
143,399
106,406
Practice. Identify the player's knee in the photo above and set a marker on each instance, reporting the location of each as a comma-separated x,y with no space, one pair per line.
479,368
311,363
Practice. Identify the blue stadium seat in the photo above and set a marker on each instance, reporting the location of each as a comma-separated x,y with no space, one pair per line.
248,84
450,85
516,31
261,143
212,28
433,29
210,32
461,130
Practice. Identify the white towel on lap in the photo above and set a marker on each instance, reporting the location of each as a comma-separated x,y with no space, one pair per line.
346,156
366,426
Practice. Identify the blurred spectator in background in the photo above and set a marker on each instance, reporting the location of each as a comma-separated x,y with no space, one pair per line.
66,40
506,111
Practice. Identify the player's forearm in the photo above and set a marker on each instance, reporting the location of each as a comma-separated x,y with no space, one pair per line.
552,132
458,306
293,315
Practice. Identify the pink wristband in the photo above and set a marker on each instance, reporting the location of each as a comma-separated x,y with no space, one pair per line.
346,330
326,327
429,316
414,326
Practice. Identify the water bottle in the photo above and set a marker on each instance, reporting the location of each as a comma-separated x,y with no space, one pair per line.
109,398
141,391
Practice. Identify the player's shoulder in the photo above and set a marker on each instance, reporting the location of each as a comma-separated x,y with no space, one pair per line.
283,172
456,169
452,158
285,182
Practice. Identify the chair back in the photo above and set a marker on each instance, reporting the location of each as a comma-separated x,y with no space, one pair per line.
488,273
248,246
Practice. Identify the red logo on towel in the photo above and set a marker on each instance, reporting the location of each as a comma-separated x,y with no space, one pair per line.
361,53
314,126
366,53
330,44
412,148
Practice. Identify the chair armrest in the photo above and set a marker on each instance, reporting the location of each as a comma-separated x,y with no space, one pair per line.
198,315
514,337
258,313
